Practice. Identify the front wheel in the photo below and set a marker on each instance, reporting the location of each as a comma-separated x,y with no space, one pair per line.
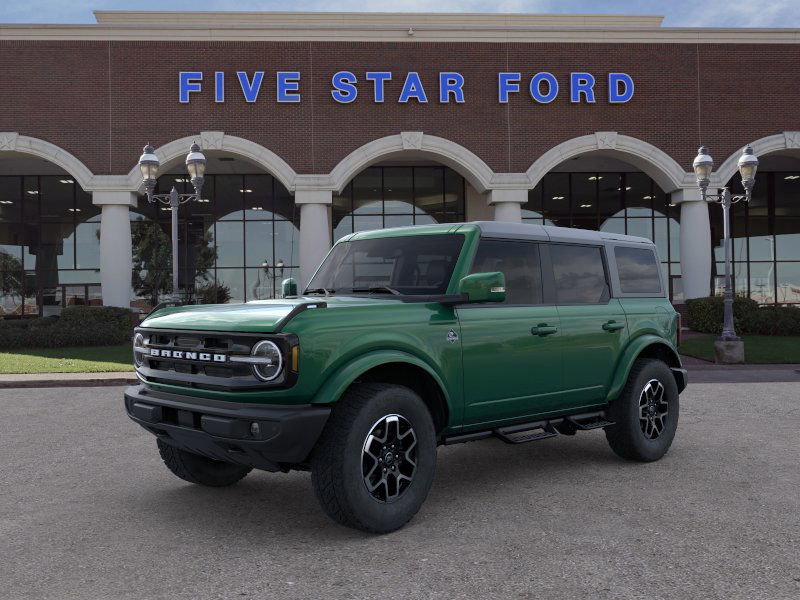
375,461
646,413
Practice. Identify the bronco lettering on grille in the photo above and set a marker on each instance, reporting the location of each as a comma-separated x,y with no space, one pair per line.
204,356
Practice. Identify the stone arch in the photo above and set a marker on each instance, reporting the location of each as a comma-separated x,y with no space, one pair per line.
218,140
11,141
656,163
444,151
788,140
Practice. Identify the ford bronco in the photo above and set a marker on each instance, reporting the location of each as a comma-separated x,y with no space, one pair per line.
409,338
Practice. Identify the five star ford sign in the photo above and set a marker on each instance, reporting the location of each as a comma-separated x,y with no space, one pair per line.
543,87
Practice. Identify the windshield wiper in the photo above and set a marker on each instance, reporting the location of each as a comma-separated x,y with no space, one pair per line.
320,290
378,288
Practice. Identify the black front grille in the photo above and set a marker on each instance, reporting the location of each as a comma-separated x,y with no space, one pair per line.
206,374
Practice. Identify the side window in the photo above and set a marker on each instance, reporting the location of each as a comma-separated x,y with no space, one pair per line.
638,270
519,262
579,274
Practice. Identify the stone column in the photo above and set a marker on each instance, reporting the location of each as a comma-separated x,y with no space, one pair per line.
695,243
508,204
315,230
116,255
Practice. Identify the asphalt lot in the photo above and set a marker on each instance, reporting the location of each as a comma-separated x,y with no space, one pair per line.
87,510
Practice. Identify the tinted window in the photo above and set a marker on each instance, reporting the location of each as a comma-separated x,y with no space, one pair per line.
638,270
419,264
519,262
579,274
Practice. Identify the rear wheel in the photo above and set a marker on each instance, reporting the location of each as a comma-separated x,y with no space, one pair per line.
646,413
375,461
199,469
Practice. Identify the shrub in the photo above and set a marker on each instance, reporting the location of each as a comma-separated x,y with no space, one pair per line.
77,326
705,316
214,293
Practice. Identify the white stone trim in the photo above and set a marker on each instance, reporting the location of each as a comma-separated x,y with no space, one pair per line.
381,27
788,140
219,140
651,160
444,151
11,141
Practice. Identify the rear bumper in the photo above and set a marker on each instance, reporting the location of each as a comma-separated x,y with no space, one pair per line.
681,378
260,436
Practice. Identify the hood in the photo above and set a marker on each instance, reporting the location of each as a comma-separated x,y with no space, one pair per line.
260,316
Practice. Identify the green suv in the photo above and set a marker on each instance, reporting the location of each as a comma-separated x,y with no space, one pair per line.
409,338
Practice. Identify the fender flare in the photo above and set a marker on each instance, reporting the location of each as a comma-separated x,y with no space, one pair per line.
632,352
344,376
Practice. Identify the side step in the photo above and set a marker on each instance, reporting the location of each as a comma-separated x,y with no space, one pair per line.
526,432
535,430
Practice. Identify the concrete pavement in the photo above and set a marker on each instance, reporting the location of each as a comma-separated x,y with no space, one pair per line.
88,511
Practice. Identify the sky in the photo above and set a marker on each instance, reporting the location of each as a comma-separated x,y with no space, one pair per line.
678,13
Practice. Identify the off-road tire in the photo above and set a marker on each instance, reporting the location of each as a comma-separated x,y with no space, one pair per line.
199,469
627,437
337,461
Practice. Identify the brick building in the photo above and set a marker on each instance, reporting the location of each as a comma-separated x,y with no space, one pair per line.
320,124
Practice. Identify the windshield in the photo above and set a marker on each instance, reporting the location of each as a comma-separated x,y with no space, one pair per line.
408,265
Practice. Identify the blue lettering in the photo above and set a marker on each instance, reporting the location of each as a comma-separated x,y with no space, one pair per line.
288,86
536,88
412,88
250,90
615,96
219,86
581,83
507,83
344,89
188,81
378,78
451,83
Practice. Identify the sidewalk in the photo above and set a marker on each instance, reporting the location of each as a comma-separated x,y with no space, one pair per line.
39,380
700,371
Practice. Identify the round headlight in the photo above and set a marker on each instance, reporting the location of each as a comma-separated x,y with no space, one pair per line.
270,360
138,342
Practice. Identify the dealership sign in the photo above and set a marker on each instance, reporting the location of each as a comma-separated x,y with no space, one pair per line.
346,87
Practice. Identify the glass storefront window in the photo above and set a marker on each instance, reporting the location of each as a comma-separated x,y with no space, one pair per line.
49,240
381,197
246,224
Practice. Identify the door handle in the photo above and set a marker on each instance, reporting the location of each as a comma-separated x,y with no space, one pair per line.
613,326
543,329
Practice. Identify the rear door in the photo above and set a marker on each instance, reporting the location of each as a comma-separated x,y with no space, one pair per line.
511,351
593,325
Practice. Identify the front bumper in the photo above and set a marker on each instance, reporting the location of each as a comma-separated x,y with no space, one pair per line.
225,431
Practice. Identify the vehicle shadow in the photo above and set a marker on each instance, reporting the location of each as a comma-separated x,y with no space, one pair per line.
284,505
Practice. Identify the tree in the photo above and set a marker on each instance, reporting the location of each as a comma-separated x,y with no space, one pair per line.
12,278
152,259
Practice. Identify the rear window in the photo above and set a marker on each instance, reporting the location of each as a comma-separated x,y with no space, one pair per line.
638,270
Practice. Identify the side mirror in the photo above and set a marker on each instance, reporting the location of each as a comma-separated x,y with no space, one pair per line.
289,287
483,287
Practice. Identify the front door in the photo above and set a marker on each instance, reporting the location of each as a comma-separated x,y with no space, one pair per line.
511,351
593,325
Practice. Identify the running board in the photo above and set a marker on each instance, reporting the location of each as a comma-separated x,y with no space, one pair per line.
534,430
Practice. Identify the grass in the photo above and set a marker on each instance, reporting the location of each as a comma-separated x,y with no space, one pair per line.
758,349
91,359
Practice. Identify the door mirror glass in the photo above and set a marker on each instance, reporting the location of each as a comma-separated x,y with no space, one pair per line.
483,287
289,287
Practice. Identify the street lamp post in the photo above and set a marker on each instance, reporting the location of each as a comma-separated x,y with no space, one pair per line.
196,165
729,347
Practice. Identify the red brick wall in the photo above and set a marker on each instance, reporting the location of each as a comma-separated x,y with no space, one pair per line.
102,101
